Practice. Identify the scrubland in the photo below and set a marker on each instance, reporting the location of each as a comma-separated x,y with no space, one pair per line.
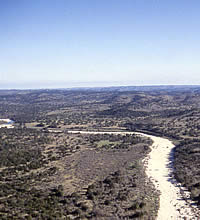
47,173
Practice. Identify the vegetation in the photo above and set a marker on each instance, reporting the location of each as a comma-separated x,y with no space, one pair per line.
47,173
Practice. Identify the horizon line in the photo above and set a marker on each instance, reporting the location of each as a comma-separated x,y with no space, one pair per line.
98,87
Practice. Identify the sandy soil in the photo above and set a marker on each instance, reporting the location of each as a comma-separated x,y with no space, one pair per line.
174,199
159,168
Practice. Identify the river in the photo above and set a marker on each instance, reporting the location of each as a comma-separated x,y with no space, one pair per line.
159,168
8,123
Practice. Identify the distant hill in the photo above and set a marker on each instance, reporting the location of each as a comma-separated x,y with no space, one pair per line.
139,88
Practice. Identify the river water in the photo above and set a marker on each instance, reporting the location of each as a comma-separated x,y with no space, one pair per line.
8,123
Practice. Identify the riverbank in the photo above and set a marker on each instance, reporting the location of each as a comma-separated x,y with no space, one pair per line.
159,168
8,123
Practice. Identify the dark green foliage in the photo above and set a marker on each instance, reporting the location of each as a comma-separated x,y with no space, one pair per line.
187,165
167,112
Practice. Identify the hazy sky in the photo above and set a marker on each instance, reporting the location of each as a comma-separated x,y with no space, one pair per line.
63,43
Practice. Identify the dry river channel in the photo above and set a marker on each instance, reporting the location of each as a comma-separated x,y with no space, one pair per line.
175,200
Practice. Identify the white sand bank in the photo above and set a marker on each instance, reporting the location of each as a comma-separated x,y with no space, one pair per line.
159,169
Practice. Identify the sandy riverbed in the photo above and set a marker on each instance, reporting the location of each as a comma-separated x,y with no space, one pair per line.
159,169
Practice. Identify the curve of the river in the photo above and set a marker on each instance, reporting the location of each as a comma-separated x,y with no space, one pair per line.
174,199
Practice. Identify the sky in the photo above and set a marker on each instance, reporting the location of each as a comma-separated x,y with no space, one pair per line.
72,43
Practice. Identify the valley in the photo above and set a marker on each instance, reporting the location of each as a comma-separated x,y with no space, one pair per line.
96,175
